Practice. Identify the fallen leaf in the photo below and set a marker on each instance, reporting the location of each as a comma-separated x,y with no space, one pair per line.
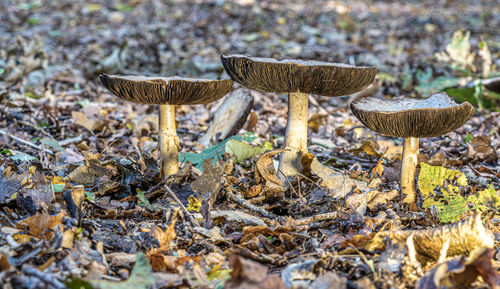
42,224
461,272
316,121
459,238
265,172
251,275
337,182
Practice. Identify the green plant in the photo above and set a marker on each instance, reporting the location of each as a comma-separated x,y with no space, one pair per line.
468,66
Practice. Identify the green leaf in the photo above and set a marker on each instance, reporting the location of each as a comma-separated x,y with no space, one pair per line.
84,103
75,283
241,150
21,157
32,21
90,195
214,152
462,94
488,198
444,188
386,77
141,277
468,137
58,187
52,143
437,85
144,200
431,177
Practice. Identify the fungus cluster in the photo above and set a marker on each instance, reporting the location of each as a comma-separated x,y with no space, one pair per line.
408,118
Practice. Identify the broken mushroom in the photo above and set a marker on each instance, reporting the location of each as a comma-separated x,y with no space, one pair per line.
298,78
167,92
411,119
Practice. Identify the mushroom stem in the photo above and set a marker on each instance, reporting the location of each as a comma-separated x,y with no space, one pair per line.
410,154
169,142
296,135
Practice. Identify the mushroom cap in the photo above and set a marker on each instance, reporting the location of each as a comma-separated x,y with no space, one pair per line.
293,75
166,90
492,84
410,117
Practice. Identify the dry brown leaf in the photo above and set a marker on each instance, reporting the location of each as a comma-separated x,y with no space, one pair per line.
164,237
461,237
376,198
480,149
92,124
316,121
339,183
461,272
42,224
209,184
265,172
251,275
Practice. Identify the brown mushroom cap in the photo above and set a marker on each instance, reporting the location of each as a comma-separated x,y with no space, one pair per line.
411,117
292,75
492,84
166,90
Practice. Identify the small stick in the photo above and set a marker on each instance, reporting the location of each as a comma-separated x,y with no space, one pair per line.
183,131
45,277
75,139
141,160
246,204
316,218
186,212
28,143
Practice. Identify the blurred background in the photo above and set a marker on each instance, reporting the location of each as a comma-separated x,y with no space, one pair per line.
401,38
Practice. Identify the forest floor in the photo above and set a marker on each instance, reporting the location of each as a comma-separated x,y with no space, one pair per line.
82,204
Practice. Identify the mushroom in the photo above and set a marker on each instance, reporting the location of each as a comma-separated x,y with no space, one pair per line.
167,92
411,119
492,84
298,78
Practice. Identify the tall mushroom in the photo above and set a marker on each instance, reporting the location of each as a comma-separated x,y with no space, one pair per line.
411,119
167,92
298,78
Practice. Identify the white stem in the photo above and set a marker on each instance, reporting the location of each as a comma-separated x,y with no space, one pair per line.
296,135
408,168
169,142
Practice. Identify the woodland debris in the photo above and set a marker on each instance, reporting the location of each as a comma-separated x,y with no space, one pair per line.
457,238
229,117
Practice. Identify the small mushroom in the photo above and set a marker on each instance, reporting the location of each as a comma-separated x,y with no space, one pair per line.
298,78
411,119
167,92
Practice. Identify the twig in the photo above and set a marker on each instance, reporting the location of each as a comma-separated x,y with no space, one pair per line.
241,201
28,143
186,212
183,131
45,277
75,139
141,160
316,218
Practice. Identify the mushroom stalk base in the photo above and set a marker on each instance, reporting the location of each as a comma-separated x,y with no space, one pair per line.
169,142
296,136
408,168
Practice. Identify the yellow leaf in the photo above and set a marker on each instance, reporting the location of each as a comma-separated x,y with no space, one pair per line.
316,121
281,20
193,204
